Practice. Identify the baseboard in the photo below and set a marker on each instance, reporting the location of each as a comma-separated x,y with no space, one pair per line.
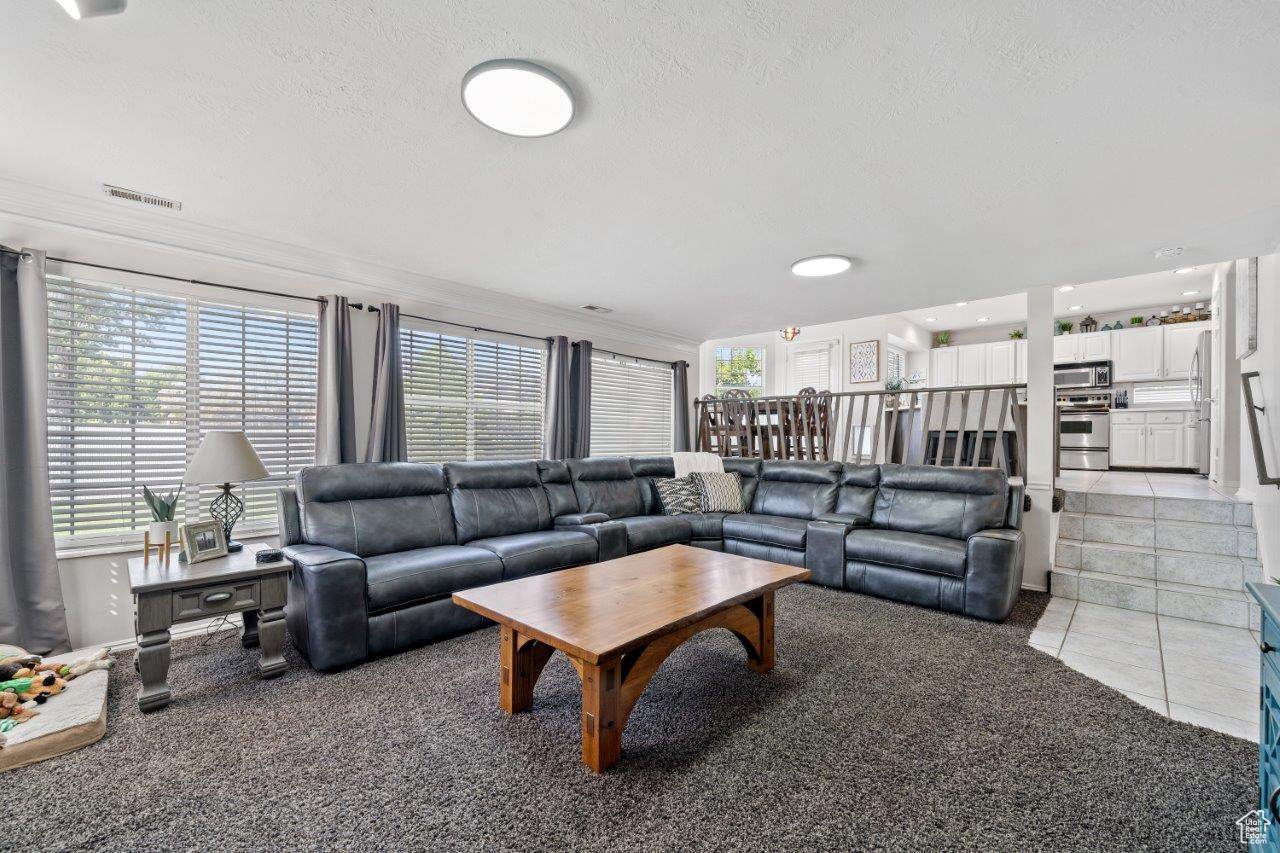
188,629
1031,588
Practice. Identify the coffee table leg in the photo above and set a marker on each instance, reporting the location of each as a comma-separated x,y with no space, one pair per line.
601,714
522,661
763,608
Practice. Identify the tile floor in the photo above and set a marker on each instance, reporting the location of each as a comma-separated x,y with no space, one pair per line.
1191,671
1142,483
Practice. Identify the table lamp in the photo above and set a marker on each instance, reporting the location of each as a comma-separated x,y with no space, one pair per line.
225,457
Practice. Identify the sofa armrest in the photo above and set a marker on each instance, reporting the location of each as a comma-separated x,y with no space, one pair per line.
290,520
993,573
578,519
847,519
328,616
1017,492
824,551
610,536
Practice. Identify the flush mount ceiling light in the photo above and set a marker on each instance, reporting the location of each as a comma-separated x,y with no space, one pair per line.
517,98
983,319
1184,270
961,304
790,333
1190,292
931,319
79,9
1075,308
821,265
1066,288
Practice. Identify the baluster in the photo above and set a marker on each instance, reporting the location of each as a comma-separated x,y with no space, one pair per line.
875,427
998,455
921,455
1018,466
942,432
976,457
964,420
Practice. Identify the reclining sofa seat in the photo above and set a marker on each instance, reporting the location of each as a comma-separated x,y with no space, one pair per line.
379,548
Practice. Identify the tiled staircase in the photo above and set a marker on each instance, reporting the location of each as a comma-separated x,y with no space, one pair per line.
1174,556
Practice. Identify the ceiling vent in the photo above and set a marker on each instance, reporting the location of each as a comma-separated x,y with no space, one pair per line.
1169,252
599,309
141,198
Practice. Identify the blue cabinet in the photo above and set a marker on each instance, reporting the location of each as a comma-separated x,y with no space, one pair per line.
1268,597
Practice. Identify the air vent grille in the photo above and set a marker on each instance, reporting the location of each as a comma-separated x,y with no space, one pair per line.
141,198
599,309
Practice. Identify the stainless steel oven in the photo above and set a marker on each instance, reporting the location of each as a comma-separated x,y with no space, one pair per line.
1084,440
1084,374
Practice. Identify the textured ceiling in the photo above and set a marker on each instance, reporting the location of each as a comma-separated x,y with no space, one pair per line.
962,148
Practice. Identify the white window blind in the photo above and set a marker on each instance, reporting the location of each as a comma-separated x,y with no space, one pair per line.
632,407
1156,393
895,364
136,378
811,366
471,399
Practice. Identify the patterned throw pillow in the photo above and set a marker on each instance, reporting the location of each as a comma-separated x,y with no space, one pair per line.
678,495
720,492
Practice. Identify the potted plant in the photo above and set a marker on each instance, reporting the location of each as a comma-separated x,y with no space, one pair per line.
1016,334
1137,321
1064,327
892,385
162,512
941,339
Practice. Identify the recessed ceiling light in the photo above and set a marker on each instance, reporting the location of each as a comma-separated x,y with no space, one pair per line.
1169,252
931,319
1066,287
1075,307
983,319
517,98
1184,270
961,304
1190,292
820,265
78,9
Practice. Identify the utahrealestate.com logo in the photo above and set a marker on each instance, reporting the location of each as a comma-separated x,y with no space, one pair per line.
1253,828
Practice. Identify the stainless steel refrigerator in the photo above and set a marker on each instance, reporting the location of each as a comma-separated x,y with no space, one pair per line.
1201,380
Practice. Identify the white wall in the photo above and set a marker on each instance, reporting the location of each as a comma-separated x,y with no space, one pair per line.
95,582
1266,360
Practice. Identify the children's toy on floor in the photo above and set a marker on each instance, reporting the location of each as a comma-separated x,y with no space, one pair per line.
76,718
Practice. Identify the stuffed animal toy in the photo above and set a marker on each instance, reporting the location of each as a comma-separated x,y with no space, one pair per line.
13,667
11,708
101,659
26,666
37,688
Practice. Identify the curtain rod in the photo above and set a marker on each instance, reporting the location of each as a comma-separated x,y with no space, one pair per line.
671,364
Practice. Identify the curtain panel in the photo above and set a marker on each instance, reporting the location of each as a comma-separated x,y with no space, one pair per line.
335,395
32,614
557,432
388,441
680,417
580,400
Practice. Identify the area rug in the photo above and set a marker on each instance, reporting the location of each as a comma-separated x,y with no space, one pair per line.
883,726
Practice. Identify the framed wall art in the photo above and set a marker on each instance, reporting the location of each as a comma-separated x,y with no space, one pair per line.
864,361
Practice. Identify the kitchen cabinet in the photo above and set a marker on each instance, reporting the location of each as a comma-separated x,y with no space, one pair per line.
1179,346
1002,363
1138,354
973,364
1153,439
944,367
1086,346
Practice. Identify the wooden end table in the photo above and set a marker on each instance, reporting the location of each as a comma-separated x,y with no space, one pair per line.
184,592
617,621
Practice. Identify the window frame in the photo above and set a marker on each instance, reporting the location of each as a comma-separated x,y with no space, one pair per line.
664,407
762,354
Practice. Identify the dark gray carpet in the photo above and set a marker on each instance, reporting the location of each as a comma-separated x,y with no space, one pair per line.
883,726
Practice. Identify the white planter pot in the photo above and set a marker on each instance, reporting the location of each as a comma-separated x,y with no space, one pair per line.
158,529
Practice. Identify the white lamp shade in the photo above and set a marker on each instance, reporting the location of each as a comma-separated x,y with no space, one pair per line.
224,456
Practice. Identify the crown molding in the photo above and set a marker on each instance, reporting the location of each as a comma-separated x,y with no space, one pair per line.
115,220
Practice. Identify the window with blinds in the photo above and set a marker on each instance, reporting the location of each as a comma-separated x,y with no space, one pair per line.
632,407
811,366
895,364
136,378
471,399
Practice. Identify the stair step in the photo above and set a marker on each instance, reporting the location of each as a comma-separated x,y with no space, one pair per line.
1224,511
1197,537
1212,571
1165,597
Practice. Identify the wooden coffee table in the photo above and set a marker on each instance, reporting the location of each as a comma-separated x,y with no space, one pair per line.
617,621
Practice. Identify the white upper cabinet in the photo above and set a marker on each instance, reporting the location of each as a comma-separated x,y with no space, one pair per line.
944,367
1002,363
1064,349
1179,346
1086,346
1138,354
973,364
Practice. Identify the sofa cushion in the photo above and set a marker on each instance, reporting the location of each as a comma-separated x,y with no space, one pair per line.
718,492
648,470
540,551
559,488
749,471
857,493
375,508
606,484
936,554
409,577
766,529
705,525
796,489
645,532
497,499
678,495
953,502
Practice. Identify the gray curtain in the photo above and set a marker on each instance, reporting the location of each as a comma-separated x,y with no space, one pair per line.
335,397
387,439
680,391
580,400
557,431
31,611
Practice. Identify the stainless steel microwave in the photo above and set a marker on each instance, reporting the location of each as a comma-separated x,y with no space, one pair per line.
1085,374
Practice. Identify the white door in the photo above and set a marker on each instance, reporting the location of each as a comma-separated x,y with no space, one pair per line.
1137,354
1095,346
1020,366
1129,445
1179,346
1066,348
1002,363
1164,445
813,365
973,364
944,367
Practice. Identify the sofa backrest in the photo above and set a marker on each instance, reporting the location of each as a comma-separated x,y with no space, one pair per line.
748,471
606,484
375,507
952,502
647,469
558,486
796,489
496,499
857,493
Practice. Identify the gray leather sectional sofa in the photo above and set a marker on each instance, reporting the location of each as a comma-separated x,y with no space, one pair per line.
379,548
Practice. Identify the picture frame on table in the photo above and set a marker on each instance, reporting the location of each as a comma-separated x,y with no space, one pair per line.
203,540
